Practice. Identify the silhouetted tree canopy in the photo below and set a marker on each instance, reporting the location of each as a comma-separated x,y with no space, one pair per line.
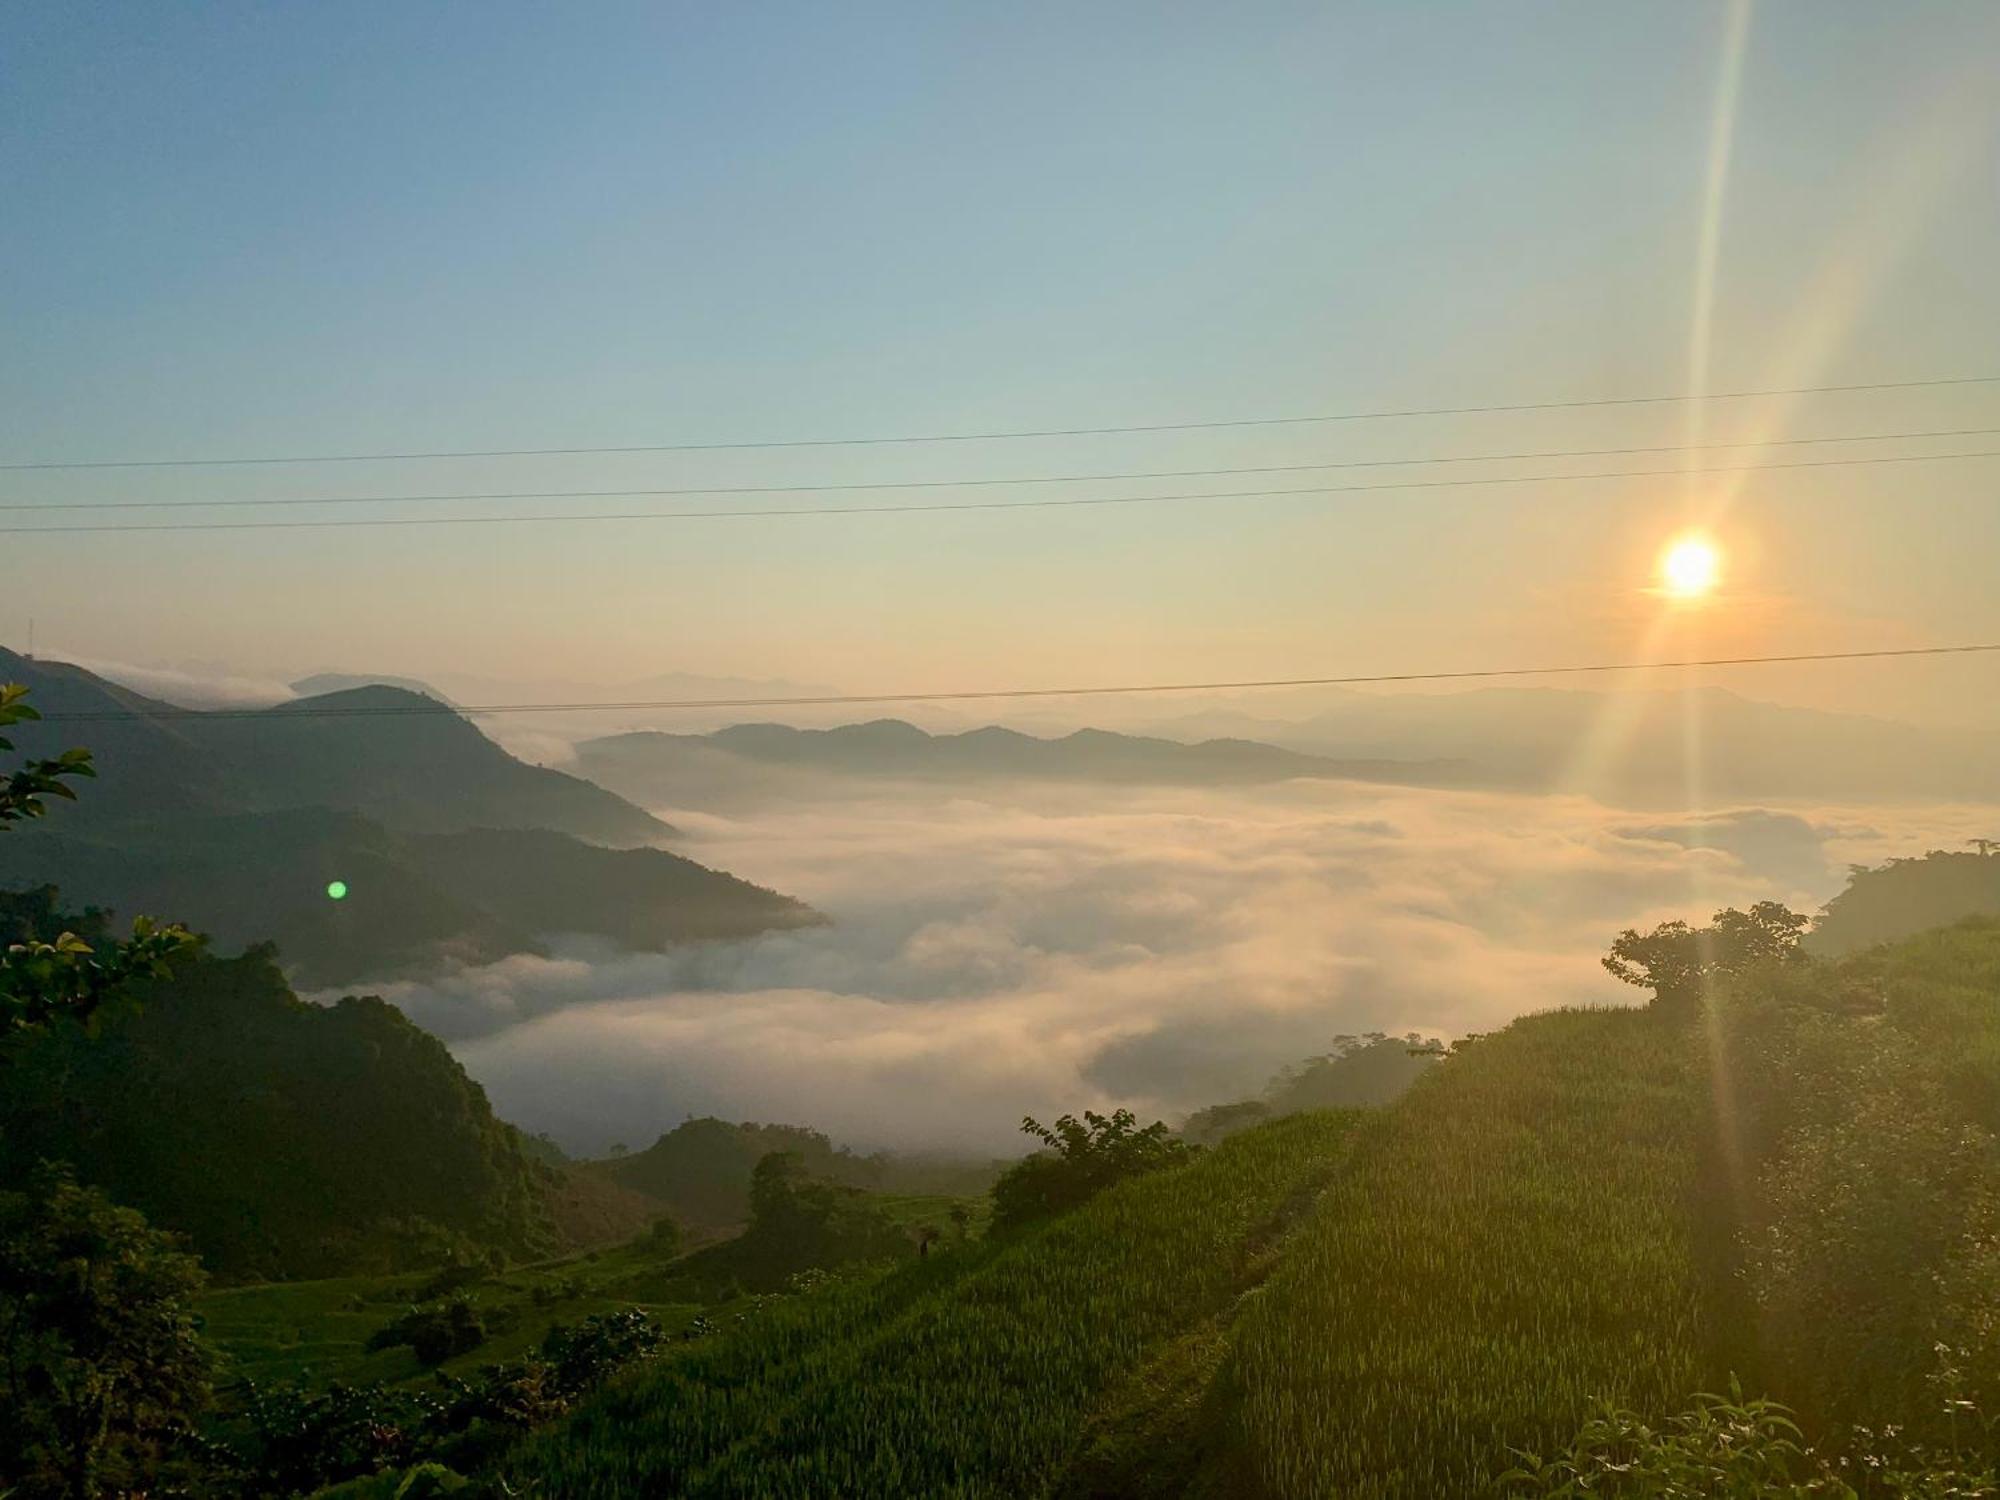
1677,962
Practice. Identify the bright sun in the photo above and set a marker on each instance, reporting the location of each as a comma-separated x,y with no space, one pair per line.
1690,567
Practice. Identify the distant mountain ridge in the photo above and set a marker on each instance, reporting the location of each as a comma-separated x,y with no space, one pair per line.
339,682
1639,744
398,756
662,767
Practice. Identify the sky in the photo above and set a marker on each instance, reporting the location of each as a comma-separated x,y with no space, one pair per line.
292,230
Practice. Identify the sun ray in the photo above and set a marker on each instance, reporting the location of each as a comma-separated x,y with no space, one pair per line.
1708,244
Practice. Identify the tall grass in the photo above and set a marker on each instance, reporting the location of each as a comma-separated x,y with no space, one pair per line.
1509,1245
970,1374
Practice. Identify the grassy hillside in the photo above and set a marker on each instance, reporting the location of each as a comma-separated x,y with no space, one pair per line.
1511,1243
316,1332
973,1372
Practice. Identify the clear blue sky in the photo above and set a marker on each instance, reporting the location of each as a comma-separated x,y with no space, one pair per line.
293,228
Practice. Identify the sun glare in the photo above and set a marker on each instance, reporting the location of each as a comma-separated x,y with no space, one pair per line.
1690,567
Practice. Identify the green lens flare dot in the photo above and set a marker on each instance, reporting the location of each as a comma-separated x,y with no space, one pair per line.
336,890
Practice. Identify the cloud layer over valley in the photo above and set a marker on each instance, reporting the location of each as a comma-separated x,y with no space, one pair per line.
1040,949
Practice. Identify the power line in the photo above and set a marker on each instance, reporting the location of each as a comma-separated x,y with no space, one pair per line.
940,506
997,436
985,481
281,713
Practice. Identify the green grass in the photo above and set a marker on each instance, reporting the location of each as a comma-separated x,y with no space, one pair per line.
315,1332
1515,1240
974,1372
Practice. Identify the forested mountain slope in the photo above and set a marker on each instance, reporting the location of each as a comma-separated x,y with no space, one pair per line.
284,1139
412,904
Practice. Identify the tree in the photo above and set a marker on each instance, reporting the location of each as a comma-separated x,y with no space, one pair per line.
664,1237
1085,1157
56,972
800,1222
99,1361
1678,962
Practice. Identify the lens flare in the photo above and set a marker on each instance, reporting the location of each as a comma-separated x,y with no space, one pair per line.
1690,567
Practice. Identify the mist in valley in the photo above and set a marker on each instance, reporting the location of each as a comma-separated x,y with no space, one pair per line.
1001,947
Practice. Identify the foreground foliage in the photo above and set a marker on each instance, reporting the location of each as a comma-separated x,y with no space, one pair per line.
100,1368
1735,1449
289,1439
51,970
1863,1105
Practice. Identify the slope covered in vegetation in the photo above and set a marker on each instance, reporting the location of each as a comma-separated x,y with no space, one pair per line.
285,1139
398,757
970,1372
1896,900
1509,1244
413,903
700,1170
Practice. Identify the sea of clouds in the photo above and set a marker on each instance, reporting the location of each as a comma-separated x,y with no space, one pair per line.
1034,950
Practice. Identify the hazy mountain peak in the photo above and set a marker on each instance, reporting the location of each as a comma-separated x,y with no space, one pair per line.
323,683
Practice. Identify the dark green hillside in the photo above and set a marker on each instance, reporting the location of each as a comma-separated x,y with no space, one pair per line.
413,904
148,763
1907,896
700,1170
418,766
644,898
284,1139
973,1372
250,877
411,762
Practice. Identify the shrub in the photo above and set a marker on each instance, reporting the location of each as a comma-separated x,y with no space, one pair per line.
436,1333
1086,1157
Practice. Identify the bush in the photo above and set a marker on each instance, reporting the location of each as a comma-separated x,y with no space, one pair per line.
298,1440
1734,1449
664,1238
1088,1157
435,1334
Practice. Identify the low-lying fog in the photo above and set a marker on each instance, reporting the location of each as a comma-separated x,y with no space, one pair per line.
1029,950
